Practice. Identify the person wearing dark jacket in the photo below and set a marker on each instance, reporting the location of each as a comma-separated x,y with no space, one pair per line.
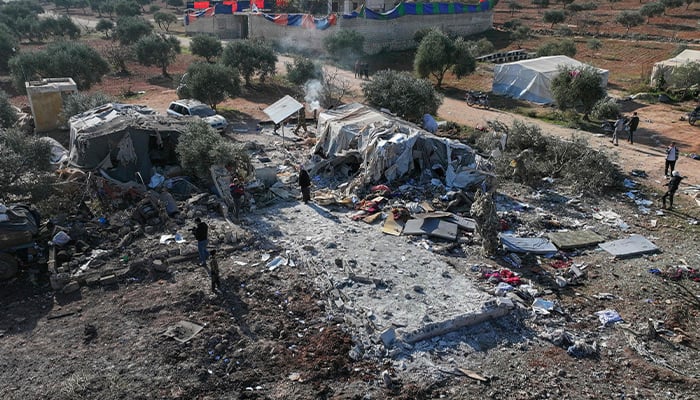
237,193
672,187
304,184
633,124
201,232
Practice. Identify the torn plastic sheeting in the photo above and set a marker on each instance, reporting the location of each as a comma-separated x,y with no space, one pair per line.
276,263
391,147
542,306
608,317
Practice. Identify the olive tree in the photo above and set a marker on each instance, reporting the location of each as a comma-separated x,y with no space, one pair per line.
212,83
301,70
206,46
629,19
130,29
402,93
566,47
573,86
164,20
554,17
9,45
686,75
200,147
651,10
157,49
250,57
344,44
105,26
438,53
77,60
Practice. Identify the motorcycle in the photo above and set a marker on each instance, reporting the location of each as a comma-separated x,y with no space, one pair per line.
693,116
477,98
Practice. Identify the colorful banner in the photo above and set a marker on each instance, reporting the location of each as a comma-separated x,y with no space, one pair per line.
422,9
304,20
198,5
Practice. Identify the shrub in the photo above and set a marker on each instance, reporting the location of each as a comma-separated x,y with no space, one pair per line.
565,47
250,57
571,161
401,93
80,102
25,168
200,147
8,115
605,109
302,70
206,46
130,29
344,44
212,83
564,31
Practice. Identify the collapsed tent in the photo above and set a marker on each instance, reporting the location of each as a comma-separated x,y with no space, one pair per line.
387,148
531,79
665,68
126,141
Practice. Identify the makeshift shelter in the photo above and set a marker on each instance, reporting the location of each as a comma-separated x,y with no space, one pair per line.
665,68
126,141
388,148
531,79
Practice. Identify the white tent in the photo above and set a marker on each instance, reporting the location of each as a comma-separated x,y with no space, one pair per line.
531,79
666,67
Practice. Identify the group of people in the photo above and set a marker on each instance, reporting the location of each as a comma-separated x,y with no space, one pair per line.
361,69
201,229
622,125
672,153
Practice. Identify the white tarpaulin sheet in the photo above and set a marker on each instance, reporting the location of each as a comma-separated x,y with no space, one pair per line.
666,67
527,245
282,109
631,246
391,148
531,79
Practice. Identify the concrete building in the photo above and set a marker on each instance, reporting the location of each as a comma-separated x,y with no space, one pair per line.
390,30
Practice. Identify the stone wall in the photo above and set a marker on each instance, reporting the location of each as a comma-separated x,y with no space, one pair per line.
395,34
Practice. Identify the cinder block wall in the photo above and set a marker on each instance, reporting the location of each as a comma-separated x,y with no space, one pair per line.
396,34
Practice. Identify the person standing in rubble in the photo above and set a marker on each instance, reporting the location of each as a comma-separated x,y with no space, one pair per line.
304,184
201,233
520,167
301,119
483,211
672,187
214,272
237,192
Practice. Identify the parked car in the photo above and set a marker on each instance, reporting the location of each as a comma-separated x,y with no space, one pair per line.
198,109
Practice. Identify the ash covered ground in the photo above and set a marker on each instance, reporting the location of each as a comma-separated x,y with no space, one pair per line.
315,305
